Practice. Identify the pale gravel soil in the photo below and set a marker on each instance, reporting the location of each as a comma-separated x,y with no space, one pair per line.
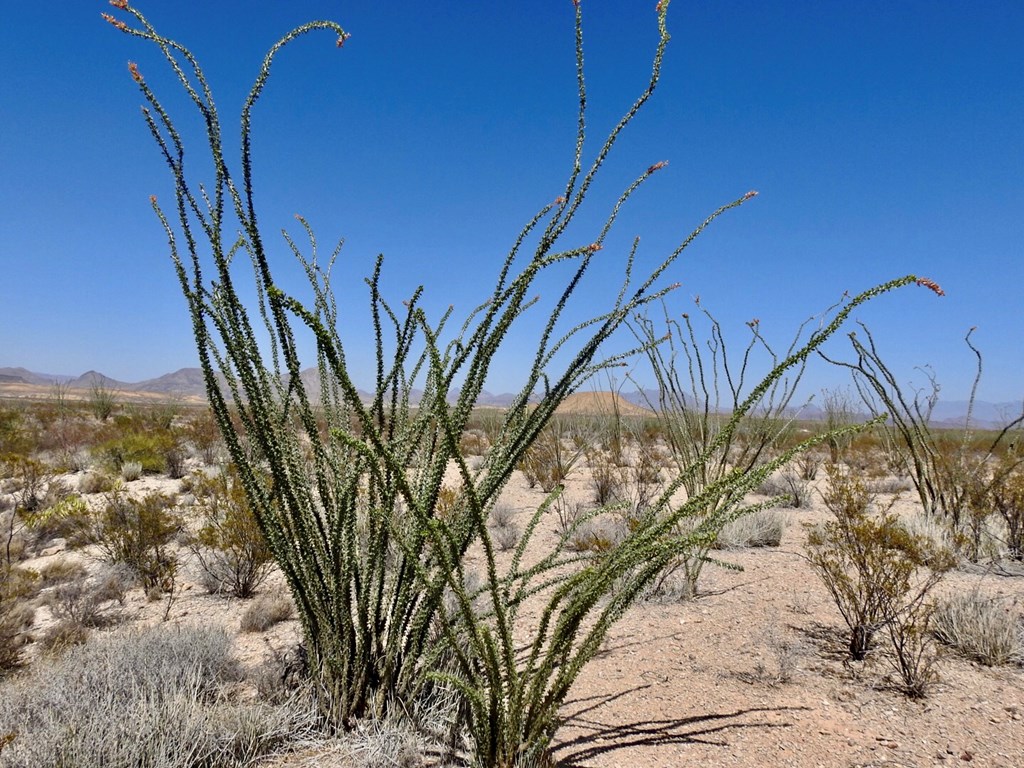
679,683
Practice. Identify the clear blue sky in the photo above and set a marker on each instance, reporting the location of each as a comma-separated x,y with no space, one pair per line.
884,138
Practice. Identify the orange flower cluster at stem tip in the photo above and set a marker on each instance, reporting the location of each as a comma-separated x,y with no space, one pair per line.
134,69
931,285
750,194
152,199
116,22
657,166
559,200
593,247
122,4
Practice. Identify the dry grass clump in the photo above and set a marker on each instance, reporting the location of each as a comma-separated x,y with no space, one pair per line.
889,485
154,698
503,527
784,651
131,470
95,482
17,588
266,611
980,628
763,528
59,571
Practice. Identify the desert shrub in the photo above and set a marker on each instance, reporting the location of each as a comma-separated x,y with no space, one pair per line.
874,569
346,486
14,440
12,538
95,482
17,588
808,464
102,399
980,628
506,536
913,655
69,518
88,600
474,442
606,477
30,480
149,450
939,535
716,425
202,432
840,411
137,533
785,652
229,546
266,611
594,535
1003,494
945,466
569,514
548,462
502,514
789,486
131,470
152,698
64,634
758,529
889,485
60,570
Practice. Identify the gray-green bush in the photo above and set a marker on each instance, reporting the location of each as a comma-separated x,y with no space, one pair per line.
347,492
980,628
153,698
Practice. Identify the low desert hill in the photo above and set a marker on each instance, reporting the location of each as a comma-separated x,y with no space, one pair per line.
601,404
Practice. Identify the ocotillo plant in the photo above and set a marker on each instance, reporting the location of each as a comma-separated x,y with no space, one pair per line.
700,383
945,468
346,491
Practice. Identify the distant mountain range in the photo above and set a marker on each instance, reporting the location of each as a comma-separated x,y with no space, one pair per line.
188,383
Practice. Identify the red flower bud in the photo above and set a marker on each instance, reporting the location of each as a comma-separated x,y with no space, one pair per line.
931,285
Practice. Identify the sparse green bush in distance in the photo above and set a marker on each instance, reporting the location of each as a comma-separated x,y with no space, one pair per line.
147,449
137,533
202,432
229,545
102,400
